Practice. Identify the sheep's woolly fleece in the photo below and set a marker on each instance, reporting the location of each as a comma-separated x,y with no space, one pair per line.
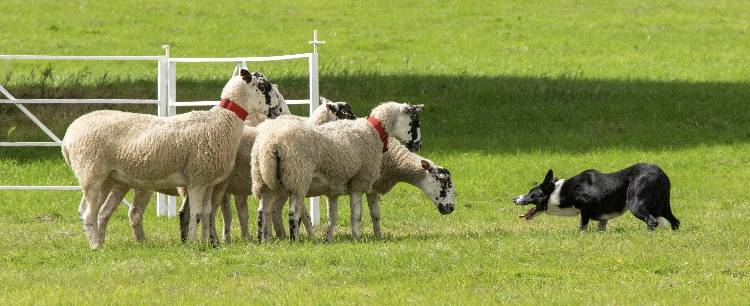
343,153
139,150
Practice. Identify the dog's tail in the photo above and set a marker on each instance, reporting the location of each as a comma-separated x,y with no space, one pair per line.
667,214
673,221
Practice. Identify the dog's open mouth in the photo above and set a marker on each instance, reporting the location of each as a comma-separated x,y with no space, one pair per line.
529,213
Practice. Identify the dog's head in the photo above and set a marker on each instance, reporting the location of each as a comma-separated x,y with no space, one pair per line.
540,196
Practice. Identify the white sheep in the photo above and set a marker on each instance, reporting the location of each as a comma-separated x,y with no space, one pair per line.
399,165
276,106
239,182
139,150
289,158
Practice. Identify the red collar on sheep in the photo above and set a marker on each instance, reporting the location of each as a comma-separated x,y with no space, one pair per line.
381,131
234,107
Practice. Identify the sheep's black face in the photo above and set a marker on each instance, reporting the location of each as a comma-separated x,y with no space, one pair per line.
415,132
438,185
266,88
275,101
344,111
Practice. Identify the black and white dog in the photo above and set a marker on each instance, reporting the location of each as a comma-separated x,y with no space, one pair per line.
642,188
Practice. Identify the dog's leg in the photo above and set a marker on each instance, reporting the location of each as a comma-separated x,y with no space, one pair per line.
585,218
640,211
603,225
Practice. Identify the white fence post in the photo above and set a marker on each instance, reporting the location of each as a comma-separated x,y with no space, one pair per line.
171,111
163,83
314,102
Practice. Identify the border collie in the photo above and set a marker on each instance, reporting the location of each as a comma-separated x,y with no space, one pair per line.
641,188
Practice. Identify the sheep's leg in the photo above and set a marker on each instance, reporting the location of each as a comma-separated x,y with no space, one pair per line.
278,224
184,218
213,236
196,194
135,213
226,213
90,225
333,216
305,218
373,201
355,204
241,203
209,231
295,208
114,197
264,216
217,199
82,208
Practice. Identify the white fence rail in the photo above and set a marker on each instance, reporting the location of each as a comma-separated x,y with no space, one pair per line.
166,75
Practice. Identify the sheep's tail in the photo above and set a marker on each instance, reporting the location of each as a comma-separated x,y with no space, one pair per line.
270,168
65,154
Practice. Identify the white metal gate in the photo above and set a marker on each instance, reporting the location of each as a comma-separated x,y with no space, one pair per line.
166,103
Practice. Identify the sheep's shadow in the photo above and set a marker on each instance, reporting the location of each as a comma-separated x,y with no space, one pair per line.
475,113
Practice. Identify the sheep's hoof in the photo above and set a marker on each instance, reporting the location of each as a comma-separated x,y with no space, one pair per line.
96,245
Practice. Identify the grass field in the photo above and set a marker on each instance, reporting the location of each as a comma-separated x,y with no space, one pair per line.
512,89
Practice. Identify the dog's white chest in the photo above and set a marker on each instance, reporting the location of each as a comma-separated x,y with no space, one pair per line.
553,205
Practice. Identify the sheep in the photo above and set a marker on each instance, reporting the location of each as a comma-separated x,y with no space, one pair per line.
399,165
239,182
289,157
107,147
276,106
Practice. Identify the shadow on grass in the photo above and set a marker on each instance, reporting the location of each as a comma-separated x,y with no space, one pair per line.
475,113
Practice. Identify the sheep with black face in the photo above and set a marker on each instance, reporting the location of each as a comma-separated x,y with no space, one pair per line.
112,147
289,157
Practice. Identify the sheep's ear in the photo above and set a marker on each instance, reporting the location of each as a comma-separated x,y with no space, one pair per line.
413,109
426,165
275,86
331,107
246,75
323,100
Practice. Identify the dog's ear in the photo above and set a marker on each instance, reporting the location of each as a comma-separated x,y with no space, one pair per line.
548,177
246,75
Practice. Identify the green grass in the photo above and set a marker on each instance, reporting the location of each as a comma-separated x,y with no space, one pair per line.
511,88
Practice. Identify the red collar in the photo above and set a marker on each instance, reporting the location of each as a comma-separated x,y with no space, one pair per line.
234,107
381,131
